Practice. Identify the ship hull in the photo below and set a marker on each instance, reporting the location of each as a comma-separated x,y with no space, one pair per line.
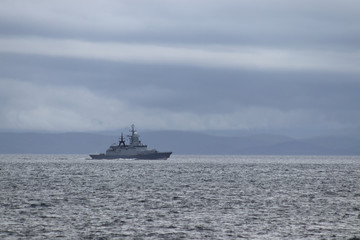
149,156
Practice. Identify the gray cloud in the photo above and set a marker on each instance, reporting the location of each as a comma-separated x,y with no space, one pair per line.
297,23
179,65
317,96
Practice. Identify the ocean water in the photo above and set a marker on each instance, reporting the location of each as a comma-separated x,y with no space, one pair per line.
185,197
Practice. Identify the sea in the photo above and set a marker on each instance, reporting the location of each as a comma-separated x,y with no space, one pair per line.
184,197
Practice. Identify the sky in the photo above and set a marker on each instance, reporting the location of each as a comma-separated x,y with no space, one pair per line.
180,65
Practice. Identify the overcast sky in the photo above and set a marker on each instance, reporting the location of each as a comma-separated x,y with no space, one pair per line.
183,65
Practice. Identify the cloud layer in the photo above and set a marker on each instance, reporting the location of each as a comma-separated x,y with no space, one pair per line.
193,55
100,65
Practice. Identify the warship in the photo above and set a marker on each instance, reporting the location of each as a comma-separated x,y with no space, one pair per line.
134,150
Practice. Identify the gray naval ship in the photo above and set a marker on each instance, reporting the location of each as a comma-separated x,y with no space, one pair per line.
134,150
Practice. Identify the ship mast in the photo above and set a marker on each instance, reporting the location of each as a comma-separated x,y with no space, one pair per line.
133,135
133,129
122,141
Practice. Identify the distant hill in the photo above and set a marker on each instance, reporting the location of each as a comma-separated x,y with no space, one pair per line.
53,142
180,143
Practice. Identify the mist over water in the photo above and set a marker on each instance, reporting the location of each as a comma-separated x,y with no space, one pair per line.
185,197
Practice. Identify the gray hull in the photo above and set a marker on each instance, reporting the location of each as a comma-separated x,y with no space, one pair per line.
150,156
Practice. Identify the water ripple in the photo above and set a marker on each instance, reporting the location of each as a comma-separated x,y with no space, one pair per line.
187,197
